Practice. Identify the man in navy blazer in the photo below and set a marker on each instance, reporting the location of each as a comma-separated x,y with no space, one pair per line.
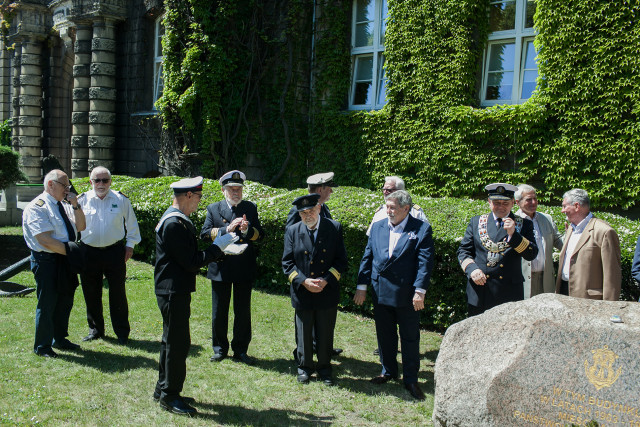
397,262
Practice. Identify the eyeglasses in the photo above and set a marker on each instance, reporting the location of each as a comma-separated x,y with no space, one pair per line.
68,187
102,180
388,190
198,194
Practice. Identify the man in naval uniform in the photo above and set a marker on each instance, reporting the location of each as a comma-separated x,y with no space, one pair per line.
492,250
112,232
321,184
178,260
314,259
232,215
50,223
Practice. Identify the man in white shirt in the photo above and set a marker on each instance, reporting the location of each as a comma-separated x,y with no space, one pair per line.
50,224
112,232
392,184
538,273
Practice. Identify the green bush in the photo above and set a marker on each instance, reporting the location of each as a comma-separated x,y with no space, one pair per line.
10,172
5,133
354,208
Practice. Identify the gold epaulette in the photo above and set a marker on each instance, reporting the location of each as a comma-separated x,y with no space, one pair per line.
40,203
335,273
122,194
522,246
417,207
293,276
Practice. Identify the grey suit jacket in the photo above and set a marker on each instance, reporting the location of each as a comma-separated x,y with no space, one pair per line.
551,238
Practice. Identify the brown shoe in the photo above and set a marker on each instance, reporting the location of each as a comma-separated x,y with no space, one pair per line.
381,379
415,391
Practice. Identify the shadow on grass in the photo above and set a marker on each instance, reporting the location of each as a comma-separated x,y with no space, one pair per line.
110,362
222,414
355,374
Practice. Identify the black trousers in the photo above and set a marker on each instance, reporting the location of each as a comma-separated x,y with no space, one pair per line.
176,340
389,320
220,300
108,263
323,322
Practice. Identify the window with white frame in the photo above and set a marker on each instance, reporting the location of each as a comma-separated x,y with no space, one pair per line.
158,82
509,70
368,80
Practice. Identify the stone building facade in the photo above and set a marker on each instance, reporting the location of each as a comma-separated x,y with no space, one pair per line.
78,79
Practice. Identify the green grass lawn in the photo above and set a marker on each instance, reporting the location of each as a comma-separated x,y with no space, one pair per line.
107,384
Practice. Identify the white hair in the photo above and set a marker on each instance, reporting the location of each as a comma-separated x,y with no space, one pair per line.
397,181
99,169
523,188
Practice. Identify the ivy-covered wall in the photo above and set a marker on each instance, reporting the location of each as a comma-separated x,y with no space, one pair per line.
263,85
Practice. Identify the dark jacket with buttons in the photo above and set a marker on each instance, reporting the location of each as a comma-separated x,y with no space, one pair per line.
233,268
504,280
326,259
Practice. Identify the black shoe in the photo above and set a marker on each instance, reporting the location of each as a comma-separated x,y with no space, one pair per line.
123,340
244,358
376,352
328,381
186,399
65,344
336,352
47,353
381,379
295,356
218,357
177,406
303,378
92,336
415,391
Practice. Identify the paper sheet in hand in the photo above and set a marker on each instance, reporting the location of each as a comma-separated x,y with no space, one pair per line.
235,249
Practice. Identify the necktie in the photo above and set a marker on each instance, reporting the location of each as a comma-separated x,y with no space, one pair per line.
67,223
499,222
311,233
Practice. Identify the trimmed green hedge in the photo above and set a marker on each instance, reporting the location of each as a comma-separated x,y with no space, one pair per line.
354,208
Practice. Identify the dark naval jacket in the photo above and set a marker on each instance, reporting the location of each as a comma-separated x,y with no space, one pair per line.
236,268
178,259
326,259
504,279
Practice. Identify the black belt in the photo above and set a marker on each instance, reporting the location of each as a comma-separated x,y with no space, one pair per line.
104,248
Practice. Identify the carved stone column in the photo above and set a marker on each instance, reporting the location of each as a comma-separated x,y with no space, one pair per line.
27,122
80,113
102,95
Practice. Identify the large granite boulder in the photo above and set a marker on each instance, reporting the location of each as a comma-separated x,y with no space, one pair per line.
549,360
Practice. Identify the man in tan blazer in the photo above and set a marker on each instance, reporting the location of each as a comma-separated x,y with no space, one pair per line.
538,273
590,257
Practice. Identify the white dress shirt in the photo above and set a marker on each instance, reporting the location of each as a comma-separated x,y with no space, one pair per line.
109,220
42,215
571,245
537,265
381,214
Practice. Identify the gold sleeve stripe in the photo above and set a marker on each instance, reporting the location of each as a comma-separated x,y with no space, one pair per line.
293,276
335,273
523,245
466,263
256,234
214,234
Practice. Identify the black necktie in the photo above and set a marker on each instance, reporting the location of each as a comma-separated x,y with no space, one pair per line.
311,233
67,223
499,222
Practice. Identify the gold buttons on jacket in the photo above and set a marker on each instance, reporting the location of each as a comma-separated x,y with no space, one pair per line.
310,262
501,265
501,277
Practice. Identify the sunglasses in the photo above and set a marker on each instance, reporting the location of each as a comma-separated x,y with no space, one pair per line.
102,180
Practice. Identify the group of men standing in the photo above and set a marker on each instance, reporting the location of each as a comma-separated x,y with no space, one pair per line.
506,257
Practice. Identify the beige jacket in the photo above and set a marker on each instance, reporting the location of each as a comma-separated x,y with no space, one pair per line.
595,271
